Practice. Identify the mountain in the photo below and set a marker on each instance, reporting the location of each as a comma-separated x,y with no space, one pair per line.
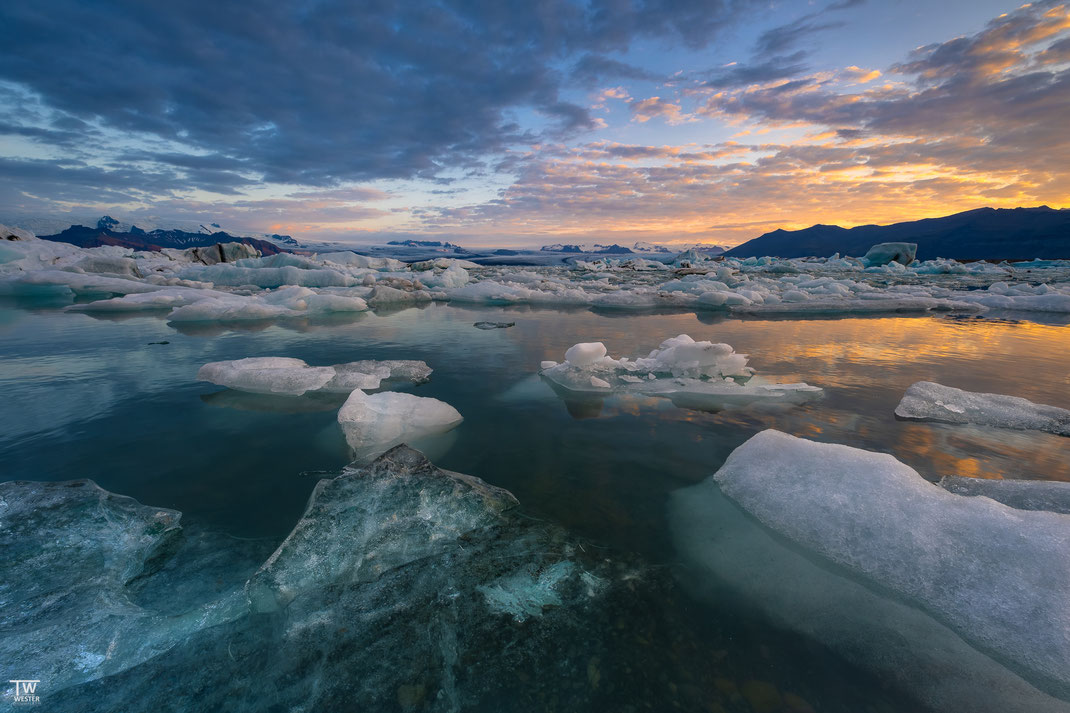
981,234
137,239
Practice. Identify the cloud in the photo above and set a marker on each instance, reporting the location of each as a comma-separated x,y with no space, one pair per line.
317,93
592,69
974,121
648,109
785,37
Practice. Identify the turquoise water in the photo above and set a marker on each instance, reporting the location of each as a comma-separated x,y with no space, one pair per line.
84,397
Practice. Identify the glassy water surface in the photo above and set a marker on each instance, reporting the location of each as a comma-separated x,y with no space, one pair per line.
116,400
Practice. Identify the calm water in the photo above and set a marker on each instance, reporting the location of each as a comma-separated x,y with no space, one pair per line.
83,397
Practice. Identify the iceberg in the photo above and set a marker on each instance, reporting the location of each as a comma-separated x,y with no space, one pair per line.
267,375
993,575
929,401
701,375
376,422
884,253
293,377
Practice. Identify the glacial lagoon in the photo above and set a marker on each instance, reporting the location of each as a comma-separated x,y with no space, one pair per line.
585,593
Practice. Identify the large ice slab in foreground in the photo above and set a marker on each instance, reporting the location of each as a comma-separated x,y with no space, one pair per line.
692,374
994,575
929,401
293,377
374,423
407,587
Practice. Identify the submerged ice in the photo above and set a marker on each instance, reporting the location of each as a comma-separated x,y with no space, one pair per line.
402,586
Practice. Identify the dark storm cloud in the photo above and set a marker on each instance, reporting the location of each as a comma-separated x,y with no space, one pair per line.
320,92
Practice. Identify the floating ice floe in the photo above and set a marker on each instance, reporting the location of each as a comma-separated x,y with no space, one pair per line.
373,423
1020,494
959,599
293,377
693,374
929,401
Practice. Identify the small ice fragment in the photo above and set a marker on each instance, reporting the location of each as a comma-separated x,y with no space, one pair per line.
600,383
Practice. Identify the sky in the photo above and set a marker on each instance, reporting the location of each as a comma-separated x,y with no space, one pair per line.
521,123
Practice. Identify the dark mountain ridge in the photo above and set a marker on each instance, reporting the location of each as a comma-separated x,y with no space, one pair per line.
981,234
154,240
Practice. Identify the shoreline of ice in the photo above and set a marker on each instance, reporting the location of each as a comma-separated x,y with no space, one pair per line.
284,286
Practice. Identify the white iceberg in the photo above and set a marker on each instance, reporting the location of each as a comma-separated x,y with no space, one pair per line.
267,375
293,377
373,423
929,401
700,375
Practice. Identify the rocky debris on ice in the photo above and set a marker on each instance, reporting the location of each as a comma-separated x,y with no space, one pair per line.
15,234
695,374
1047,495
293,377
221,252
995,575
929,401
374,423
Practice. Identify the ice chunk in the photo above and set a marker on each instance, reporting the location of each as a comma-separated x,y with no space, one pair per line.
585,354
267,375
884,253
494,325
365,522
995,575
730,561
698,375
929,401
166,298
374,423
293,377
1019,494
69,552
369,374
